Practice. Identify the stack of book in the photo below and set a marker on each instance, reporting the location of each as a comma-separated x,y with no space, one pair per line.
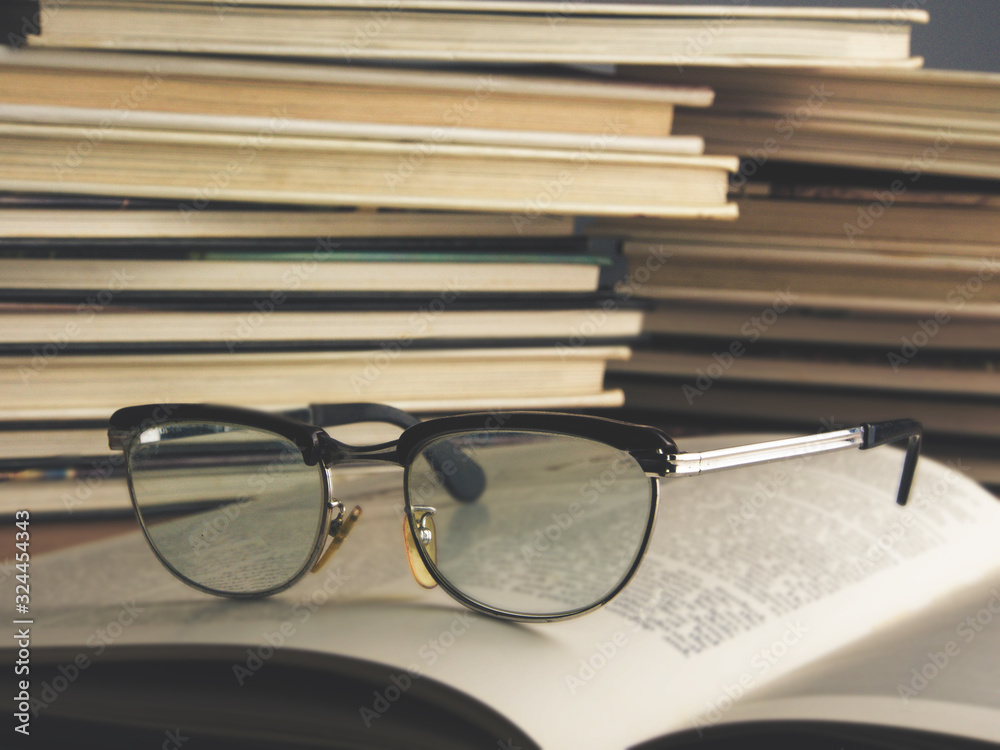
910,121
860,281
91,324
383,308
197,131
277,233
262,228
274,234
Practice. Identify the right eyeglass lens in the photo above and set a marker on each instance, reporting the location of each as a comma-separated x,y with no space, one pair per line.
229,508
557,527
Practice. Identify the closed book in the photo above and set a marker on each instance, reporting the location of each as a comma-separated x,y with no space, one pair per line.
281,268
197,160
68,385
497,31
567,103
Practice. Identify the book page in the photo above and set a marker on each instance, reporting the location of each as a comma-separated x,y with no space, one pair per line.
788,561
751,574
936,672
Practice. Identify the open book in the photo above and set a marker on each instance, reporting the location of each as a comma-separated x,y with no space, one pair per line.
792,595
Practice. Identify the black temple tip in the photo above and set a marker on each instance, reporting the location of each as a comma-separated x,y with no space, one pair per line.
893,431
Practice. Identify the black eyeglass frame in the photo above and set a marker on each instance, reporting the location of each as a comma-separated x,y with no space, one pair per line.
653,450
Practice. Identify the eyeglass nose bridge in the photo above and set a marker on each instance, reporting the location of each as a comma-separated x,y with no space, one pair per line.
333,451
464,479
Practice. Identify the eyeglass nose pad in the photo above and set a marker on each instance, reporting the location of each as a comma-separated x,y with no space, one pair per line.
340,527
423,519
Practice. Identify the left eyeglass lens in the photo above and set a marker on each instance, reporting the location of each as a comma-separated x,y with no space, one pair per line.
230,508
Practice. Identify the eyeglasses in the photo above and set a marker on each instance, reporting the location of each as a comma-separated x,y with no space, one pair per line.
528,516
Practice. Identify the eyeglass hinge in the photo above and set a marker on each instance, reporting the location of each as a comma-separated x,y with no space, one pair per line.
116,439
653,461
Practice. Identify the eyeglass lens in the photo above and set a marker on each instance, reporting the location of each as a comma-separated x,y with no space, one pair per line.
560,522
230,508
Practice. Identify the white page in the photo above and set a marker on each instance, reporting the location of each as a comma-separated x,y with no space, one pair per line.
936,672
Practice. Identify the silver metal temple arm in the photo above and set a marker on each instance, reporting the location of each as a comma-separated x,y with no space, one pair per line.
863,437
694,463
